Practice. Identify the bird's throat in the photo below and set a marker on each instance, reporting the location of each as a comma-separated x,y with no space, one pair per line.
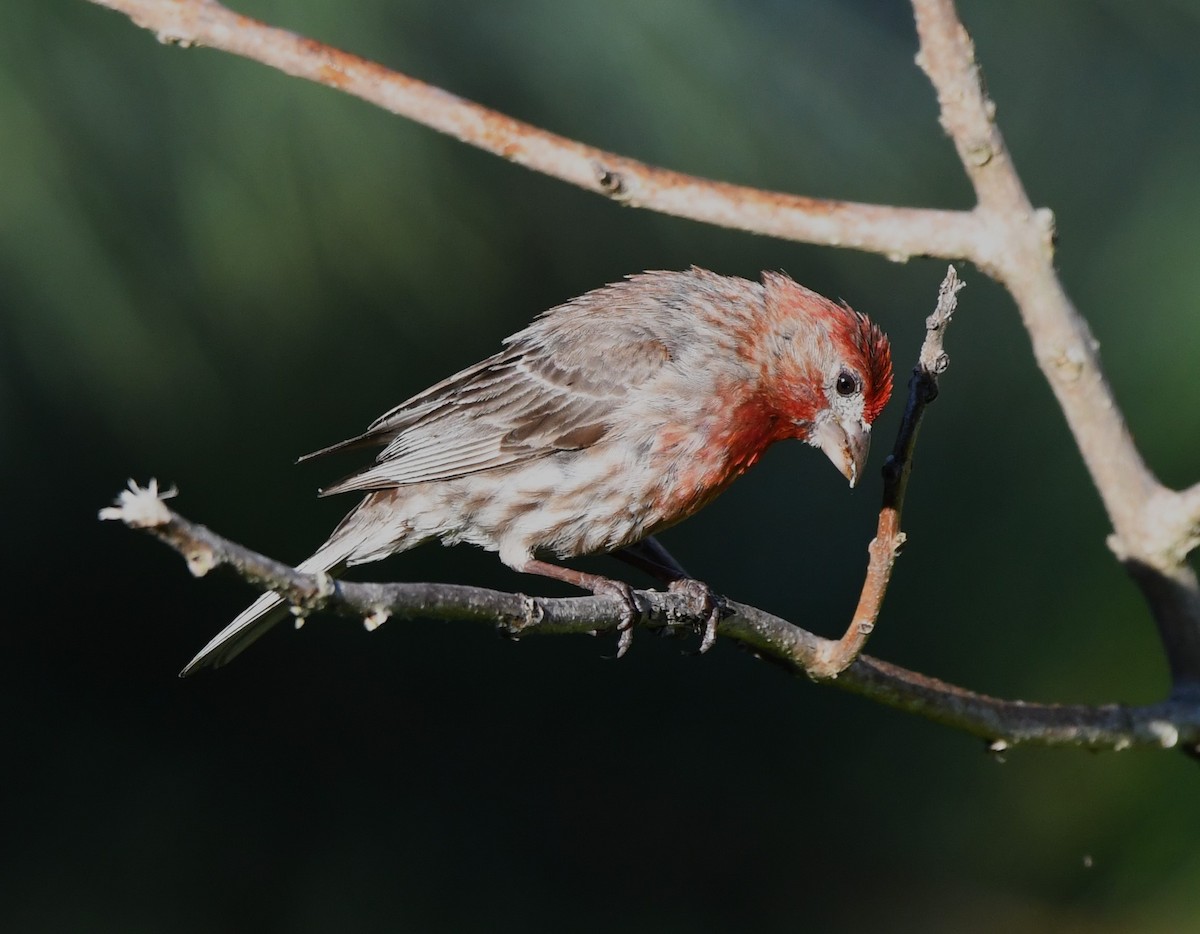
733,444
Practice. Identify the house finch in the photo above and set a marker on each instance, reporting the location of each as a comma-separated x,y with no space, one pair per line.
609,418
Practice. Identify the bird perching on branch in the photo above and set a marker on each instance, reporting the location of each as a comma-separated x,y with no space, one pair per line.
610,418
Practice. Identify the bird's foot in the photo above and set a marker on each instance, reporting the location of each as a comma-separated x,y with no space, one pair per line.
706,605
631,613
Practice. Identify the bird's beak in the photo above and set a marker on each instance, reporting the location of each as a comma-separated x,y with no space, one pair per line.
846,446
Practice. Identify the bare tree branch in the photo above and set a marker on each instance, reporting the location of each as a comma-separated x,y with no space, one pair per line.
893,231
1007,723
1002,723
1020,255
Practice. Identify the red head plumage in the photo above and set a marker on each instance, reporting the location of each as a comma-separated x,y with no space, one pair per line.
872,353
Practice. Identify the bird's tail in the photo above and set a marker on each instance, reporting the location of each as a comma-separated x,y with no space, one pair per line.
263,613
372,530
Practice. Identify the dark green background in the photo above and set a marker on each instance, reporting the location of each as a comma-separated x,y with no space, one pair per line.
208,268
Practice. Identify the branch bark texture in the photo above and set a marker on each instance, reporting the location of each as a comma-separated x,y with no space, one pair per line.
1002,723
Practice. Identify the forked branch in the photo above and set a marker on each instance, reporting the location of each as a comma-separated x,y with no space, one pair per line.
1151,531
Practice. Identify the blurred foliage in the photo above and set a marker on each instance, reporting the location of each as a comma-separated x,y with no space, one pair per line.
207,268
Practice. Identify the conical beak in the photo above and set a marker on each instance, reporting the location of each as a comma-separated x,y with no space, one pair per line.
846,446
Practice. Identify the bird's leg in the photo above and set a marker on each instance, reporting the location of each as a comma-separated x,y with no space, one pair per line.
651,556
597,585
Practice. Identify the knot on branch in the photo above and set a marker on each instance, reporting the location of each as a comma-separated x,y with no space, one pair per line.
532,616
1047,226
373,621
611,182
979,153
167,37
1165,732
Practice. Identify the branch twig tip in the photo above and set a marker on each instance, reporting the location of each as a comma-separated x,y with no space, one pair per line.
140,507
933,359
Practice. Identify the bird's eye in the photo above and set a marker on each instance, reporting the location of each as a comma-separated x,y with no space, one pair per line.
847,384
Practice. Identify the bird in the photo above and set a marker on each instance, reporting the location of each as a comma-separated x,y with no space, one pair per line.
608,419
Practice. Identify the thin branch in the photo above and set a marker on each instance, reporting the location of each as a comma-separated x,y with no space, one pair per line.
1021,257
889,539
1007,723
1023,261
893,231
1003,723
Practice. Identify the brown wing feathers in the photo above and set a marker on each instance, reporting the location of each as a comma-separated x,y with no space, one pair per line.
516,406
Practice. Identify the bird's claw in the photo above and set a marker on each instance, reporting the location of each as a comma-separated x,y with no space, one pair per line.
706,604
625,639
630,612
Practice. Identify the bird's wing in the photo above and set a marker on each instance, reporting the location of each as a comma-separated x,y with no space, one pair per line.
549,390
